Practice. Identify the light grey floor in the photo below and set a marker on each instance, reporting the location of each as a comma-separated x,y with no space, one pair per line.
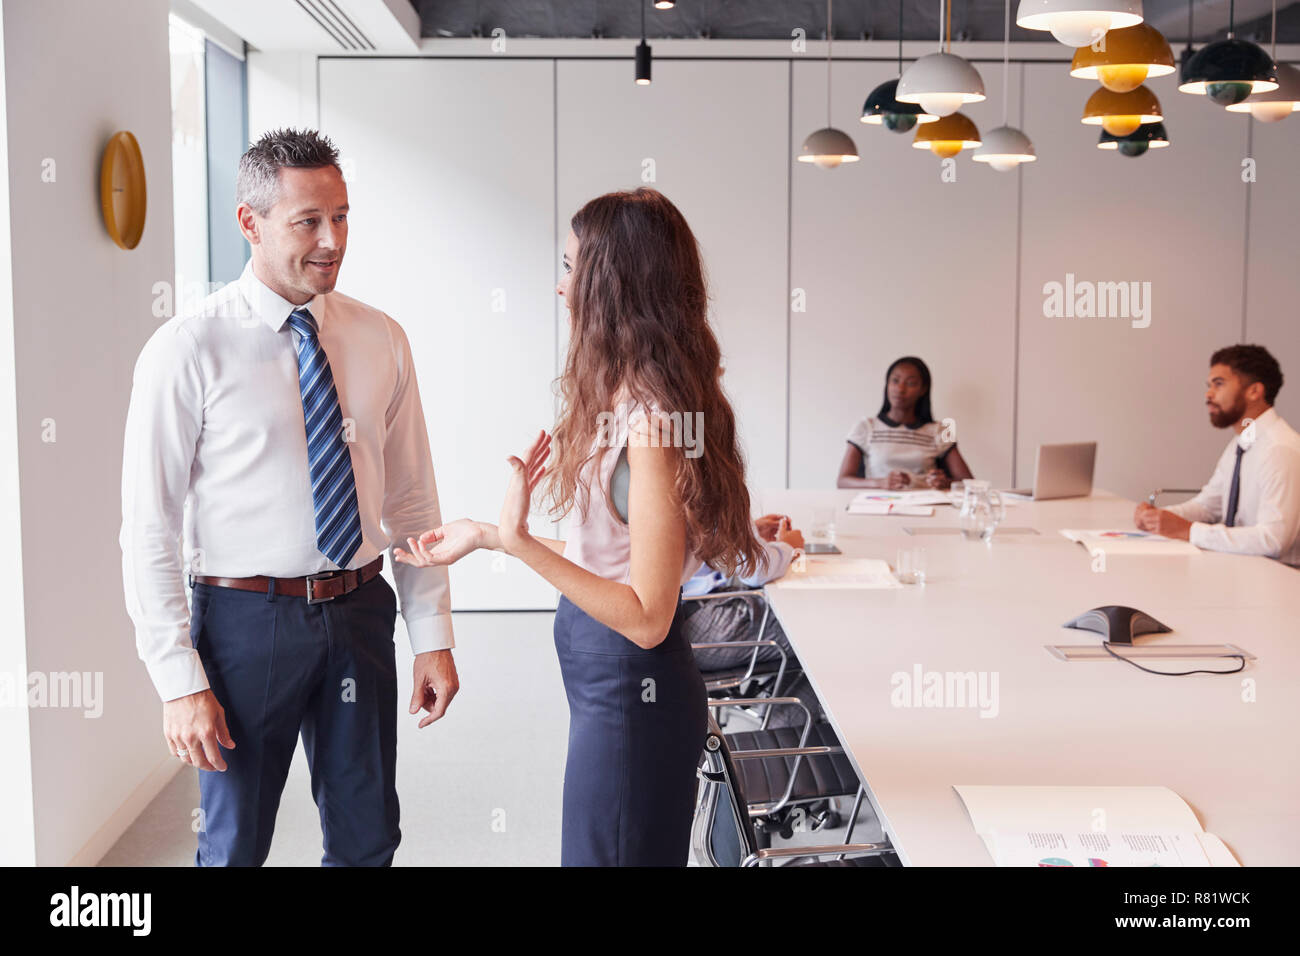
481,787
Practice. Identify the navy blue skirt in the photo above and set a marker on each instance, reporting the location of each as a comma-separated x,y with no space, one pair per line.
637,722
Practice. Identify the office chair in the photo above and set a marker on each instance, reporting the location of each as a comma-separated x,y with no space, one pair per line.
756,680
1151,498
724,834
791,775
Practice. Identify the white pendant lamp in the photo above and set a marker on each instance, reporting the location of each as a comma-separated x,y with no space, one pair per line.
828,147
1006,147
1276,104
941,82
1078,23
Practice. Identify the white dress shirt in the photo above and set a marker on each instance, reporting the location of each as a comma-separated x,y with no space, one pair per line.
776,560
1268,495
215,473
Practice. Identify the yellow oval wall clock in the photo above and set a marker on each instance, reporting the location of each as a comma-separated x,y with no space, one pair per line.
122,190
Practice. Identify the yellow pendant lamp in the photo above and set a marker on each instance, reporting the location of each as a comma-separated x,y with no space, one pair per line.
1121,113
947,137
1126,58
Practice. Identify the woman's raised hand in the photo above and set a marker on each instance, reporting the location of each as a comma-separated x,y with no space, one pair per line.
446,544
524,476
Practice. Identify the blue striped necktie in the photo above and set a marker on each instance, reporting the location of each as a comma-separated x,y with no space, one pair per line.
329,462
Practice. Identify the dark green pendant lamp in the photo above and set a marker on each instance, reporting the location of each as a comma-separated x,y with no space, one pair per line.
1147,136
1228,71
883,107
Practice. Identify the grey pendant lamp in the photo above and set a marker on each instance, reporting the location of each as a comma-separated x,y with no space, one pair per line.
1006,147
828,147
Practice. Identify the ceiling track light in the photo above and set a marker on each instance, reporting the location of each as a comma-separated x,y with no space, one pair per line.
643,54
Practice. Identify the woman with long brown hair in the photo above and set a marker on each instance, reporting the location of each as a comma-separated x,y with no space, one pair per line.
645,462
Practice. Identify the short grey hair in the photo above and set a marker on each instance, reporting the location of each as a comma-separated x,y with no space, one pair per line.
258,181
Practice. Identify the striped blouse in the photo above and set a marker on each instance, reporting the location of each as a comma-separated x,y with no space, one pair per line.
887,446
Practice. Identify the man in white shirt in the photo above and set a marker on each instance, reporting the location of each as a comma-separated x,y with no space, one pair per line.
276,437
1251,504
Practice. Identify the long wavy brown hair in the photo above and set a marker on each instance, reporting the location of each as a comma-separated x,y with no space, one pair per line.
639,308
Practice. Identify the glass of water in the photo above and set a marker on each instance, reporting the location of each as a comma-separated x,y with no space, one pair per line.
822,529
910,568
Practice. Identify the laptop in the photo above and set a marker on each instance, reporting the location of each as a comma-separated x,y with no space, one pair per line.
1061,471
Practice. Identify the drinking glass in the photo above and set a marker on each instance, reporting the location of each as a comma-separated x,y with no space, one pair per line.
910,568
822,529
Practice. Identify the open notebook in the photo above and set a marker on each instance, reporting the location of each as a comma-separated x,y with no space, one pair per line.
1090,826
911,503
838,574
1128,541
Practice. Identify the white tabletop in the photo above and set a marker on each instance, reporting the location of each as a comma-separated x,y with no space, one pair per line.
992,609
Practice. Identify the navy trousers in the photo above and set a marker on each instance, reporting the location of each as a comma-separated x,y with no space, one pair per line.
637,723
280,668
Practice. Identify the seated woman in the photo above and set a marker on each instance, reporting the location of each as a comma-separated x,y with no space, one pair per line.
902,447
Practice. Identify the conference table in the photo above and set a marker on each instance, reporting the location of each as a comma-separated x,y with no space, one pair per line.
1224,743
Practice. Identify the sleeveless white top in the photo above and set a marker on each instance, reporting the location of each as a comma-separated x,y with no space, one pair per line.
600,542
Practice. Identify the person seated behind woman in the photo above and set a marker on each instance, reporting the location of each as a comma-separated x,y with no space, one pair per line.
902,447
724,620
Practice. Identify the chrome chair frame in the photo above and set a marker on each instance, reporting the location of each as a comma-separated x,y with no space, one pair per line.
716,772
751,672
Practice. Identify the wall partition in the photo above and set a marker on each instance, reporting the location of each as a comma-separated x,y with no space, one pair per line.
451,182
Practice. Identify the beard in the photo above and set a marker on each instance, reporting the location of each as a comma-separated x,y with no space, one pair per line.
1227,417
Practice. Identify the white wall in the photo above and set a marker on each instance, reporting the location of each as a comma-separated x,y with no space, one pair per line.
76,72
450,232
1273,278
722,162
896,261
1174,218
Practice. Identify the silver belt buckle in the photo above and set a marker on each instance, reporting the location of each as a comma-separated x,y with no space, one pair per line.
311,591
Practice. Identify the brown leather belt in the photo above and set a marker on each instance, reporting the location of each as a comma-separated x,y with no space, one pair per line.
316,588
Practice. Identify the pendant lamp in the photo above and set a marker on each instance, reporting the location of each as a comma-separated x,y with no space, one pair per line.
1228,71
1078,22
883,107
828,147
941,82
1005,147
1148,136
1128,57
1276,104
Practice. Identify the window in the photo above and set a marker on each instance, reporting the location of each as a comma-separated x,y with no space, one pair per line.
209,134
189,164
